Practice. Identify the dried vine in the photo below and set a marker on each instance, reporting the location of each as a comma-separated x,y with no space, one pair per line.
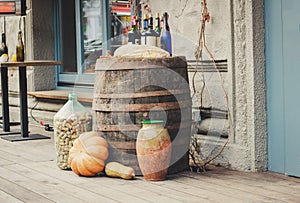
197,161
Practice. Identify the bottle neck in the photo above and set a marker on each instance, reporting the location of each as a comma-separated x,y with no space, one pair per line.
165,21
150,23
73,96
166,24
20,36
157,27
3,39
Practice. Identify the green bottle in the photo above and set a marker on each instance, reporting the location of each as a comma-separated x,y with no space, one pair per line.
20,48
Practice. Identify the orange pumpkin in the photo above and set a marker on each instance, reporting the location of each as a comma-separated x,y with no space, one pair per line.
88,154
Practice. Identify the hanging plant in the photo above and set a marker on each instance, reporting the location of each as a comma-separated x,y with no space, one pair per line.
196,160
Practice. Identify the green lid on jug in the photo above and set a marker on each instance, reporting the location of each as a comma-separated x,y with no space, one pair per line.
153,122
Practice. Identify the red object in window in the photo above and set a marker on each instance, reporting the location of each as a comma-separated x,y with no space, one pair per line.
7,7
121,8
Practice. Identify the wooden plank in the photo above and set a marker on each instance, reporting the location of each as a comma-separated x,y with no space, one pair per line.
135,95
240,184
37,150
194,193
133,63
169,194
100,185
31,63
142,107
257,178
76,191
107,186
136,127
20,192
238,194
7,198
39,187
61,95
5,161
262,180
138,189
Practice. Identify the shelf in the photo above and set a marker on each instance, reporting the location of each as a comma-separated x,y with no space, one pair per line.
30,63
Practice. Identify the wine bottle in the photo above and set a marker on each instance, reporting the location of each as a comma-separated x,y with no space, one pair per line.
165,39
20,48
148,35
137,33
145,29
151,34
3,49
131,33
157,29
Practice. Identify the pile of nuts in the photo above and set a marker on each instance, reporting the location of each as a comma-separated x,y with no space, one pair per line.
66,130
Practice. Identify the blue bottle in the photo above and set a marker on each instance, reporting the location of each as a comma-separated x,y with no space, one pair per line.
165,38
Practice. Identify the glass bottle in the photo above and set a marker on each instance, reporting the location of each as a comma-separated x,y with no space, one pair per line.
157,29
20,47
137,33
151,34
165,39
3,49
69,122
145,29
134,36
131,39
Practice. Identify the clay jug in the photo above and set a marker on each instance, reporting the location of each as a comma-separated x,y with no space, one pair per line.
153,148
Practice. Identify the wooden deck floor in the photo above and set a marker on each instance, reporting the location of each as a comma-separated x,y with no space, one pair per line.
28,173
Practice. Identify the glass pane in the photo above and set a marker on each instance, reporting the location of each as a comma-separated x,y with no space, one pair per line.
68,37
120,23
92,33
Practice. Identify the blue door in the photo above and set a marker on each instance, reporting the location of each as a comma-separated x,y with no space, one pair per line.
282,22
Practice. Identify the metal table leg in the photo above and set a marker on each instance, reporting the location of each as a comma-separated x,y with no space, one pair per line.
5,125
5,105
24,111
23,102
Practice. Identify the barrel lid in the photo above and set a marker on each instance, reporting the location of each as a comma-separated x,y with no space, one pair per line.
152,121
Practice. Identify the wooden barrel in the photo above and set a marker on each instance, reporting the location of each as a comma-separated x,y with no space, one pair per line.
130,90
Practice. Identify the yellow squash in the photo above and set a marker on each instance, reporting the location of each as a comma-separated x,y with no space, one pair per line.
118,170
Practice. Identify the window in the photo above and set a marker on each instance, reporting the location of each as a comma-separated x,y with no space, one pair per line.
85,30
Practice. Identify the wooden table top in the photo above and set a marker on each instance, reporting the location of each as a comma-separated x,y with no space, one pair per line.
30,63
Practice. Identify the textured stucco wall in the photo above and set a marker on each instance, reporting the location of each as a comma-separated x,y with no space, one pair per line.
41,43
249,84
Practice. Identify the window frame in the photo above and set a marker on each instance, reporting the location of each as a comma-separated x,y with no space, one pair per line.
80,79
